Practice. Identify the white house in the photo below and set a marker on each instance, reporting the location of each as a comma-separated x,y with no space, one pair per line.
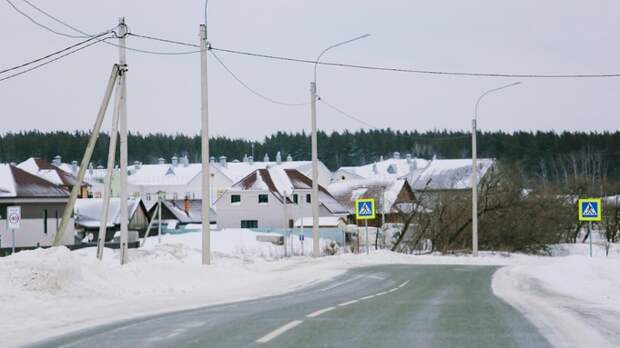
272,198
42,204
389,169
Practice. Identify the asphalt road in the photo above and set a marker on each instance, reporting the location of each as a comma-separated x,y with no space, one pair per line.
383,306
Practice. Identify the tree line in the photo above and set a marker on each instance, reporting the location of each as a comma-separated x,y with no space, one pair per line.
542,155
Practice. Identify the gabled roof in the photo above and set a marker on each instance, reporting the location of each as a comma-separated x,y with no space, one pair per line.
236,171
282,183
385,192
164,174
18,183
387,169
47,171
192,216
88,211
449,174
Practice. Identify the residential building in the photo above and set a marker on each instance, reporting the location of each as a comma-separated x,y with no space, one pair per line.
389,169
88,216
42,204
272,198
54,174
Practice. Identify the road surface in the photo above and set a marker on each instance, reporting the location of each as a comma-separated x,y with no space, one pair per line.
381,306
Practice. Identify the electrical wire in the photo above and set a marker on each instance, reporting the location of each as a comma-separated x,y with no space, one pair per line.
50,55
340,111
85,34
262,96
53,60
43,25
163,40
414,71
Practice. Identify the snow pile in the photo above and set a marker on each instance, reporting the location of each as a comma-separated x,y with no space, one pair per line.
573,299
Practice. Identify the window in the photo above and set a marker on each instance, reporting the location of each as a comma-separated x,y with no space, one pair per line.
263,198
308,198
249,223
235,198
148,196
296,198
291,223
45,221
175,196
343,177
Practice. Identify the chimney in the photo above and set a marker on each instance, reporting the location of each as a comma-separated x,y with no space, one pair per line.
223,161
57,161
408,157
185,161
186,205
381,158
161,160
74,166
174,160
278,158
266,159
211,159
137,165
245,158
374,168
251,160
289,158
90,169
396,155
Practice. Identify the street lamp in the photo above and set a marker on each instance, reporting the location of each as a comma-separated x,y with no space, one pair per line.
316,252
474,174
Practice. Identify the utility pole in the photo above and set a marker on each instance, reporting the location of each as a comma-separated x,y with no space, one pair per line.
123,140
206,176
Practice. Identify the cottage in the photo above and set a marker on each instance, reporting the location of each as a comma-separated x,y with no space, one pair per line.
42,204
272,198
54,174
185,211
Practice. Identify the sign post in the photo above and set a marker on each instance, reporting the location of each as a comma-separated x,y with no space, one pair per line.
590,209
301,239
365,209
13,219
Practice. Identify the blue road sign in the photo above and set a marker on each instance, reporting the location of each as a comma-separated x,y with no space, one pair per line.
590,209
365,209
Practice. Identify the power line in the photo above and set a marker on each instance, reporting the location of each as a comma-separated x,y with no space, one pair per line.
53,60
262,96
85,34
163,40
321,99
415,71
49,55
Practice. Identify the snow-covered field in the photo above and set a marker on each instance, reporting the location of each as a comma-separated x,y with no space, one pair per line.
48,292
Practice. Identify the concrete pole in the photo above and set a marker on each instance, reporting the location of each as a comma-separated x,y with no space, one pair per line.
123,141
66,215
206,175
314,201
105,205
474,191
159,219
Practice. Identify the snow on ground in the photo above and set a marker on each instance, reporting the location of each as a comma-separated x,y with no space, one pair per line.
574,299
48,292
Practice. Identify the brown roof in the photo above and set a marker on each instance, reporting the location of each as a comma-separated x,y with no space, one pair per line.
66,178
29,185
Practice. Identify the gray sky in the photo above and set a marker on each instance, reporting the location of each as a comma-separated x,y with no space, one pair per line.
525,36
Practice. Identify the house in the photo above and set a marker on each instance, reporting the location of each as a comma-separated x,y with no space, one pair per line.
391,197
42,204
88,216
185,211
53,174
272,198
389,169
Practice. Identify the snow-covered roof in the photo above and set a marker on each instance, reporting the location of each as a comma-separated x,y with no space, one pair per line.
386,169
47,171
384,191
449,174
236,171
88,211
282,182
193,214
324,221
18,183
163,174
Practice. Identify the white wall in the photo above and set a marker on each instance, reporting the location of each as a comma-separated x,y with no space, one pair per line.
31,232
269,214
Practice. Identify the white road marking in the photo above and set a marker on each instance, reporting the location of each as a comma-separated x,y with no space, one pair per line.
367,297
319,312
277,332
403,284
381,293
348,303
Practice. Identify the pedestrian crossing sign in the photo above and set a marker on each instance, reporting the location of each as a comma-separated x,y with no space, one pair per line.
365,209
590,209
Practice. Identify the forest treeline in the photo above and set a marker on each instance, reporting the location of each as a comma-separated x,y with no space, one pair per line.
543,155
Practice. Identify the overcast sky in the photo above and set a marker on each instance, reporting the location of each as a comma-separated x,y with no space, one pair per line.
525,36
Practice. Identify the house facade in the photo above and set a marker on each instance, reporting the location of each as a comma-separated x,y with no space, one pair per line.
42,204
272,198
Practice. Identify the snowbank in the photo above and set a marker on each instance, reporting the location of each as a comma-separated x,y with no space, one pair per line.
573,299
